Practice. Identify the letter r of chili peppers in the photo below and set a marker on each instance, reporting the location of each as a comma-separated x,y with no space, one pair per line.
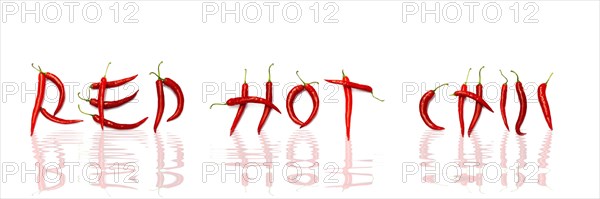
544,102
424,106
161,97
292,96
348,86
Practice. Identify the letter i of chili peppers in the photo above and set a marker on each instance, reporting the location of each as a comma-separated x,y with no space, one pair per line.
269,97
292,96
461,105
112,124
424,106
523,105
544,102
101,93
478,107
161,97
503,95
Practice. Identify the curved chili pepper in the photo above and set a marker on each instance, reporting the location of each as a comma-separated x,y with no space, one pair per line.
269,97
112,124
109,104
424,106
358,86
39,100
523,105
544,102
58,120
241,108
101,93
503,95
477,113
475,97
115,83
61,90
161,97
292,96
461,105
348,97
245,100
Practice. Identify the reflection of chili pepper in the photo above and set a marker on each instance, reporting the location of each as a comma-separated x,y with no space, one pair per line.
39,100
112,124
424,106
503,100
115,83
292,96
544,102
523,105
475,97
242,107
58,120
461,105
269,97
109,104
161,97
477,113
101,91
245,100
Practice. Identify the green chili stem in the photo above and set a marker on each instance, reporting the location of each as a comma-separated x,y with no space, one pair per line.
504,77
79,107
106,70
217,104
468,73
480,74
444,84
270,72
512,71
549,77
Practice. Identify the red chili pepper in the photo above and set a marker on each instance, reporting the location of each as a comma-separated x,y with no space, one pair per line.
241,108
58,120
112,124
475,97
544,102
424,106
461,105
523,105
161,97
358,86
115,83
61,90
292,97
503,95
101,91
269,97
477,113
245,100
109,104
39,100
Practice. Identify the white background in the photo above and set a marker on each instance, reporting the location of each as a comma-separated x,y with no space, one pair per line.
373,46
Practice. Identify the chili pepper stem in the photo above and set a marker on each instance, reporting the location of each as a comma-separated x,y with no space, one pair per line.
373,95
269,80
512,71
444,84
216,104
159,68
106,70
39,69
343,74
79,95
549,77
468,73
504,77
245,73
79,107
157,75
480,69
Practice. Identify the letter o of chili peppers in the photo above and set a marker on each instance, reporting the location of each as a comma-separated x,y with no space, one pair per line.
461,105
477,113
161,97
523,105
503,95
269,97
292,97
544,102
424,106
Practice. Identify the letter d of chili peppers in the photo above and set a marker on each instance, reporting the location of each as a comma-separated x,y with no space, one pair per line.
161,97
424,106
523,105
269,97
544,102
292,96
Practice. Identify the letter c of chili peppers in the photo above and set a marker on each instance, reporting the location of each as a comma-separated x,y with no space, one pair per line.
161,97
544,102
523,105
503,95
461,105
112,124
477,113
292,96
348,86
269,97
424,106
42,76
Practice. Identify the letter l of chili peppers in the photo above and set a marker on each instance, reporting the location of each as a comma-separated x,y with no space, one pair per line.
543,100
503,96
269,97
461,105
478,107
424,107
523,105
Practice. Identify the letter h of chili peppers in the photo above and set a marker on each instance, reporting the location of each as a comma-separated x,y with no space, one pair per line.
348,86
161,97
41,92
292,97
